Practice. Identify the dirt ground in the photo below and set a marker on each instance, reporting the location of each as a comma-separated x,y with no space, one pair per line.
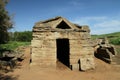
103,71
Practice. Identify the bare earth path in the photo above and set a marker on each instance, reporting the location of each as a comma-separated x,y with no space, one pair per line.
103,71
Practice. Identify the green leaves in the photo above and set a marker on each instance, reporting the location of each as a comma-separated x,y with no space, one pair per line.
23,36
115,41
5,22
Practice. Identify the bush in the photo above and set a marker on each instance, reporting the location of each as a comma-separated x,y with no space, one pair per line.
115,41
25,36
13,45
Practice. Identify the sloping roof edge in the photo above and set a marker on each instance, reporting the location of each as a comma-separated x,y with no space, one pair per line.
59,20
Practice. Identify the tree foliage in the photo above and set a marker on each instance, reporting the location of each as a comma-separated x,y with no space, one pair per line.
5,22
23,36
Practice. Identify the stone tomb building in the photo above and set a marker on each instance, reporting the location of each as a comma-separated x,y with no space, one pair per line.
58,39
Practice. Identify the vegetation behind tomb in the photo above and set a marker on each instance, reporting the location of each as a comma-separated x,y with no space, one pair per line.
114,38
16,39
25,36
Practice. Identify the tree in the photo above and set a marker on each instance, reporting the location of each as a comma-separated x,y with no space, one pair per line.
25,36
5,22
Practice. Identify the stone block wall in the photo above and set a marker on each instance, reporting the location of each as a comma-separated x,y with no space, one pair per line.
44,49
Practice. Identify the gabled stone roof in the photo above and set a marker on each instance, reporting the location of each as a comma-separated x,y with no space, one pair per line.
54,22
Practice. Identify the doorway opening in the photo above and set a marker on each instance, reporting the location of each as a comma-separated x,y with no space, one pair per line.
63,51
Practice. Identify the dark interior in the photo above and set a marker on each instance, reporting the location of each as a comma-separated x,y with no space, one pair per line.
63,51
63,25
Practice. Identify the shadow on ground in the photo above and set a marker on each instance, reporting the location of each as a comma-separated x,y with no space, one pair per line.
7,77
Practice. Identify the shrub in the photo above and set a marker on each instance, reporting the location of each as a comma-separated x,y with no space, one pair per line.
115,41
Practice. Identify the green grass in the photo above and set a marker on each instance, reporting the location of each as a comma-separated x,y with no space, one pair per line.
114,38
117,49
12,45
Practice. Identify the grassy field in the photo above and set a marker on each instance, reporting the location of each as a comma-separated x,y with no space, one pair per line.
114,38
12,45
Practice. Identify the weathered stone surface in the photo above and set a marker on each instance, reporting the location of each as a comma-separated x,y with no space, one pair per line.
104,50
87,63
58,39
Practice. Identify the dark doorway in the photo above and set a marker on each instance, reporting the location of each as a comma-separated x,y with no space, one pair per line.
63,51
